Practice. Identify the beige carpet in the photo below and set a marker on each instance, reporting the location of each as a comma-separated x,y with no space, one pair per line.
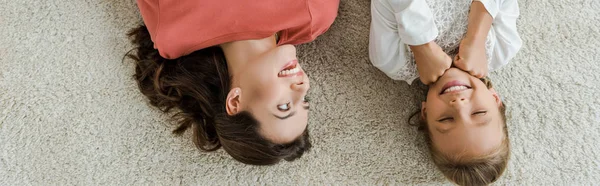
70,113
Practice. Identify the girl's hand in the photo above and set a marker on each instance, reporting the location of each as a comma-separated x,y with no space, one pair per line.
472,58
471,53
431,61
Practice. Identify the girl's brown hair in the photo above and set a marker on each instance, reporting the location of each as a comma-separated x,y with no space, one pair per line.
194,89
475,171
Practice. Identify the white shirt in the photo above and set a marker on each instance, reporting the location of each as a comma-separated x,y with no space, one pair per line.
396,24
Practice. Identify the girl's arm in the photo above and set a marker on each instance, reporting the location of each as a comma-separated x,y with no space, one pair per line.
395,24
500,17
504,31
480,22
471,53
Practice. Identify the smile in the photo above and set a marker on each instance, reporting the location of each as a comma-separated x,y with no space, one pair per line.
455,89
291,69
454,86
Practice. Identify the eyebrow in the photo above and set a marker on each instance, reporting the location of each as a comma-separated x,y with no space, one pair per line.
484,122
289,115
285,117
443,131
480,124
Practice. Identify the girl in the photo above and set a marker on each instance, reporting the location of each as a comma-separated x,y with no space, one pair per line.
229,71
463,117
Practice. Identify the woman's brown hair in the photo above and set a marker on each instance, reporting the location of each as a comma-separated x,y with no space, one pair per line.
193,88
470,171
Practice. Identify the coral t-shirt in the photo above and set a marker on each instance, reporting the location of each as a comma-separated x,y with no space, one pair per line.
180,27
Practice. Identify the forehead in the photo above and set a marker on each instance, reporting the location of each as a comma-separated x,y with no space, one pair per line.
469,140
278,130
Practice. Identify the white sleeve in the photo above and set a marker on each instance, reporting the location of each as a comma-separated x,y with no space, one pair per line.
394,24
504,31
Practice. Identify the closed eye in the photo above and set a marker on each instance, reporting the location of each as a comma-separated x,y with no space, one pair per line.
480,113
446,119
306,99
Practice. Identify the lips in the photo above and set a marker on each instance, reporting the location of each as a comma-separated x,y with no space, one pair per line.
290,69
454,86
290,65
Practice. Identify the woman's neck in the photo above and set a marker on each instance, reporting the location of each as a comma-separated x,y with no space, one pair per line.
239,53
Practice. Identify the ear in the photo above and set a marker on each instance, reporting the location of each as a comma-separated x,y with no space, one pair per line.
423,110
496,97
232,103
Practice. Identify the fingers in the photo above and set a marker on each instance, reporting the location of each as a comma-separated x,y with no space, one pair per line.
476,74
482,74
479,71
429,79
461,63
448,61
438,76
425,80
464,65
433,77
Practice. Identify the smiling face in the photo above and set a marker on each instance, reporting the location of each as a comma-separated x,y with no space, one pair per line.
463,115
273,87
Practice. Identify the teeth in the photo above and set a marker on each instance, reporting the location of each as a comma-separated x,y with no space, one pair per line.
290,71
455,88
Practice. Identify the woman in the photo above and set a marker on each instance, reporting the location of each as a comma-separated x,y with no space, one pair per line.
229,71
463,118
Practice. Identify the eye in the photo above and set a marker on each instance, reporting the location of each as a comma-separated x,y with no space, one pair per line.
446,119
480,113
283,107
306,99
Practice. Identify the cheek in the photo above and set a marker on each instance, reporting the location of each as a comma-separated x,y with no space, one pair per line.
434,106
275,90
431,95
448,143
258,77
269,90
263,73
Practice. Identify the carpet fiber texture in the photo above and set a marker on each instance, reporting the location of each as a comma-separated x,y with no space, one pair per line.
71,114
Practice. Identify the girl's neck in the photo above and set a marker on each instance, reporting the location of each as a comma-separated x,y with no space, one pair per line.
239,53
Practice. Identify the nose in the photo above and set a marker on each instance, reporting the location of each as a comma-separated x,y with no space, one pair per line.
458,101
300,86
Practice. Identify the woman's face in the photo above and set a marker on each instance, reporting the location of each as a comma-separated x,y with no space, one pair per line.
463,115
273,87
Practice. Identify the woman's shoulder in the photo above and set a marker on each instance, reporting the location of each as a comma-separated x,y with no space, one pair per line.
181,27
320,15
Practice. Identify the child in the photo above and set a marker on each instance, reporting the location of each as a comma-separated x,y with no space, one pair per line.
463,117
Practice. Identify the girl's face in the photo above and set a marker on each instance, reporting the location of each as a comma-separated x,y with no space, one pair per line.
463,115
272,88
